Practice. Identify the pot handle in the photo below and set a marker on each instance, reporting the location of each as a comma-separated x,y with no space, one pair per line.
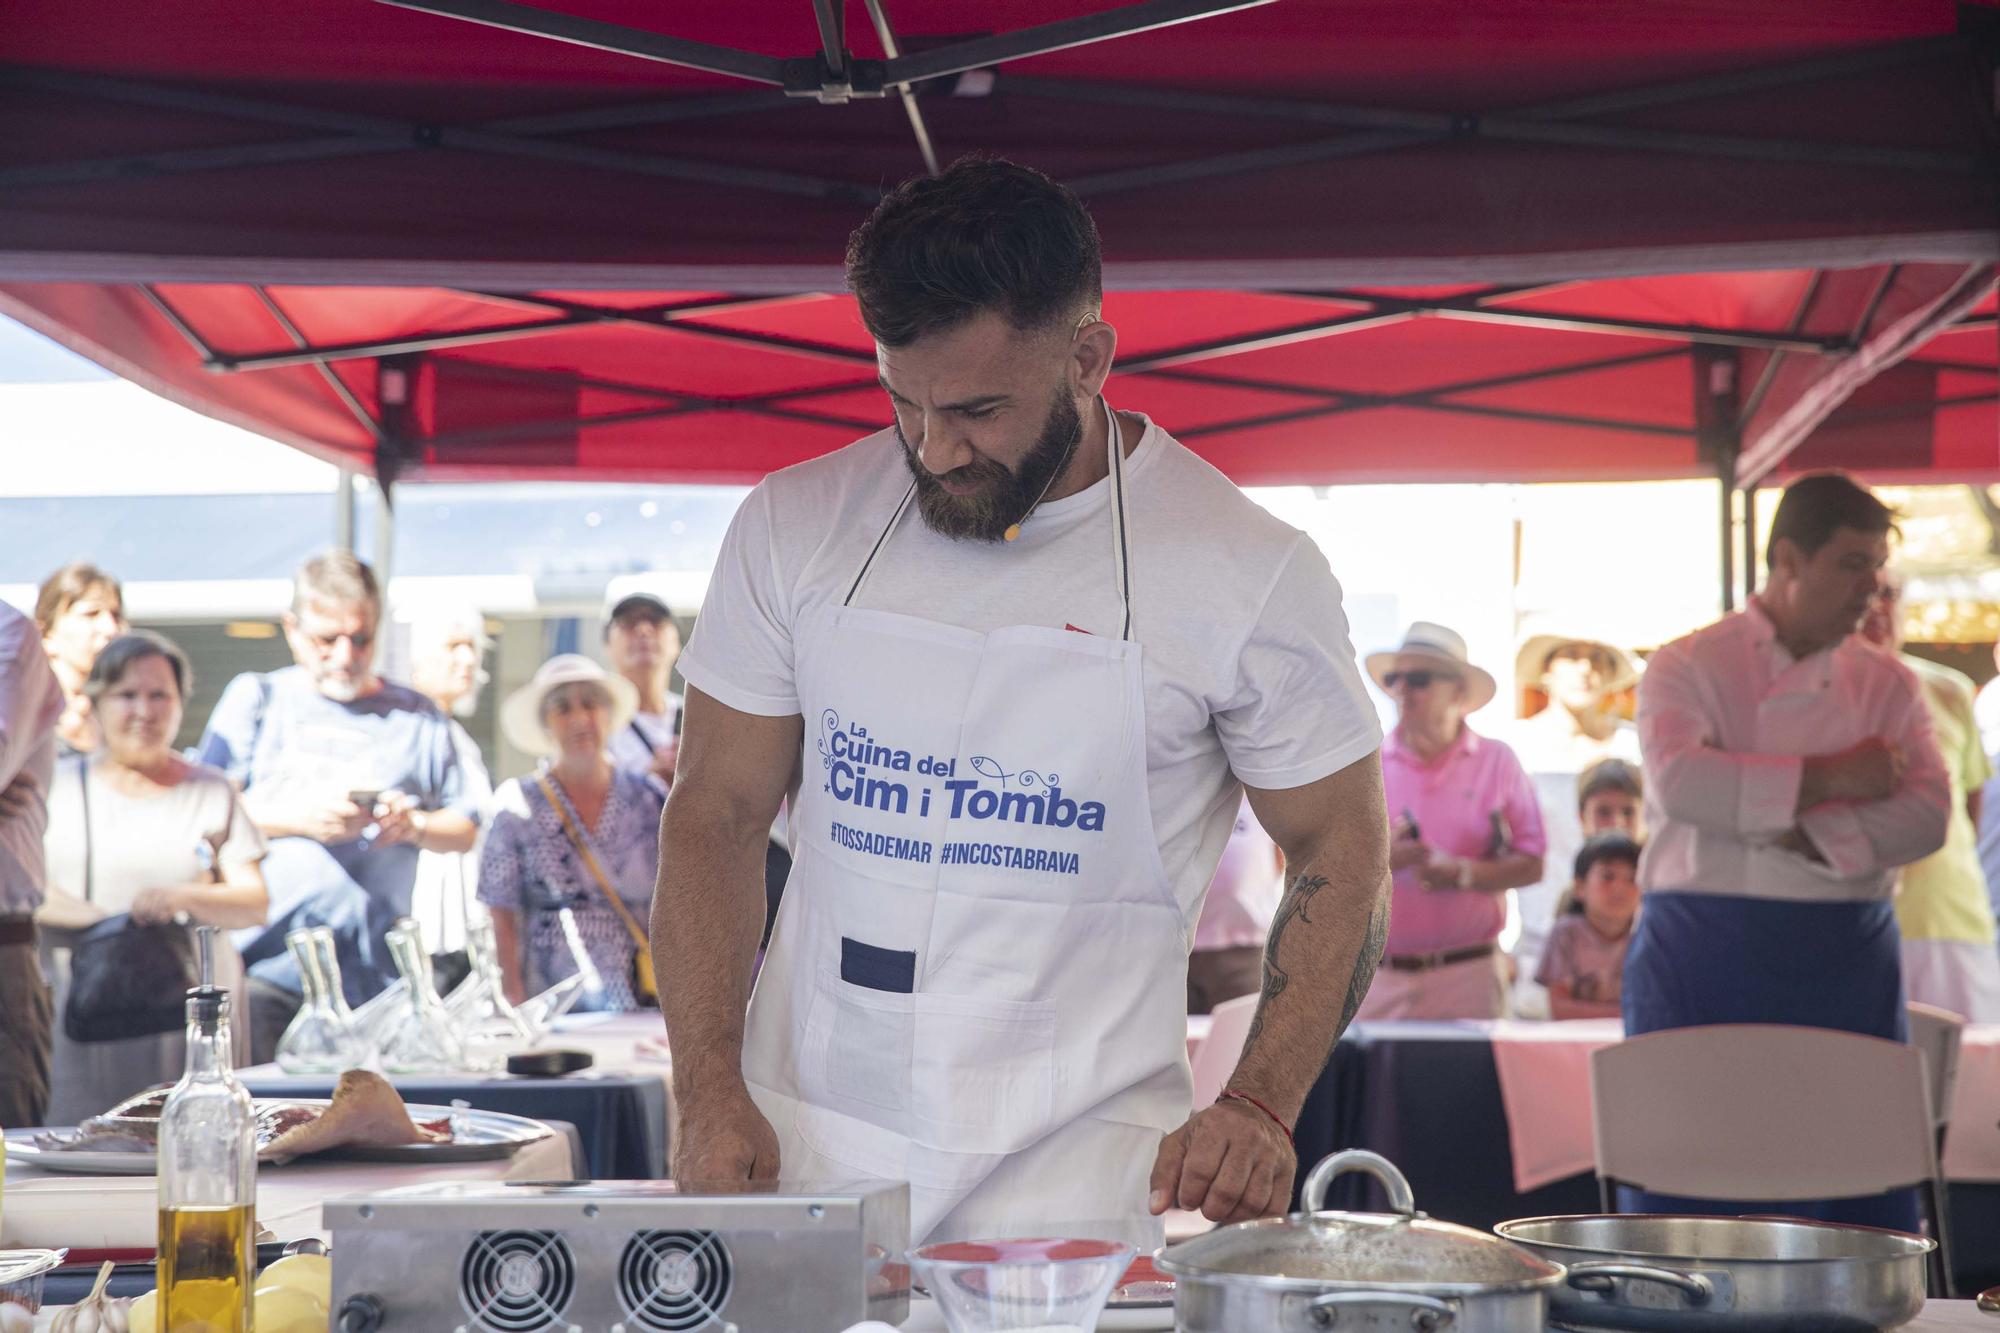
1427,1313
1601,1276
1313,1196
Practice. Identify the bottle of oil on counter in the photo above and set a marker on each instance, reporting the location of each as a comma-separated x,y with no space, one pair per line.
208,1183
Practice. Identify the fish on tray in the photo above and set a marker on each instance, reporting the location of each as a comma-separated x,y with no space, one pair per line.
364,1108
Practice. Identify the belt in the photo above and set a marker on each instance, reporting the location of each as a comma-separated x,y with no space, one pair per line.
17,930
1424,962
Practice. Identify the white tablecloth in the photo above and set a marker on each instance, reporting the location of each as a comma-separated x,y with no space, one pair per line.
48,1211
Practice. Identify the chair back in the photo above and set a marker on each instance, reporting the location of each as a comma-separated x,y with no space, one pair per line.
1215,1059
1938,1033
1761,1111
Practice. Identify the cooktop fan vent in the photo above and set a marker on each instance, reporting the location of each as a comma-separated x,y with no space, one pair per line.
673,1281
517,1281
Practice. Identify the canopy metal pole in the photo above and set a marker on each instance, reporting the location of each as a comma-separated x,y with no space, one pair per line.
385,536
1749,541
343,510
1728,538
1719,441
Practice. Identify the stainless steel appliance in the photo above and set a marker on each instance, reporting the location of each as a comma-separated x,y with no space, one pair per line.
1397,1271
1665,1274
620,1257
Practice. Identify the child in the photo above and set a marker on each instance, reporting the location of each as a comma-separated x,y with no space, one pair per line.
1610,796
1584,963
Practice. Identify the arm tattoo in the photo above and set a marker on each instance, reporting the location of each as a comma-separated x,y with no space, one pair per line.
1297,899
1365,963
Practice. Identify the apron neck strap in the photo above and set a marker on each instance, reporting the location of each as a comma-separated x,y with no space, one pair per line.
1114,450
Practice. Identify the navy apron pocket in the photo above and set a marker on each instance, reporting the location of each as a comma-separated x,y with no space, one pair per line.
874,968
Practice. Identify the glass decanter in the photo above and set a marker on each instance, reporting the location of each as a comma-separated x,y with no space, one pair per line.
320,1039
423,1038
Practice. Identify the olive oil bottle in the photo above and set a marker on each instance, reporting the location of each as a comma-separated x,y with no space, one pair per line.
208,1183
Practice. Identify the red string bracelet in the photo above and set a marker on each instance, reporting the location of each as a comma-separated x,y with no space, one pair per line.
1232,1095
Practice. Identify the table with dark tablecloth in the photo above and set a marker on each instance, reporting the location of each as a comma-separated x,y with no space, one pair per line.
1427,1097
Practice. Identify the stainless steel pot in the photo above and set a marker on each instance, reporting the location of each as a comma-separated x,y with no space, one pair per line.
1668,1274
1319,1270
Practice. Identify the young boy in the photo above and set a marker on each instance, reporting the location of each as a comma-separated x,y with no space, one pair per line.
1584,964
1610,797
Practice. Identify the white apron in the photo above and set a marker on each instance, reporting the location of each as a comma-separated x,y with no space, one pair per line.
977,982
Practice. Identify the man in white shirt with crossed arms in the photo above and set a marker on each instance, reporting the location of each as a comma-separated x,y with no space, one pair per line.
1003,823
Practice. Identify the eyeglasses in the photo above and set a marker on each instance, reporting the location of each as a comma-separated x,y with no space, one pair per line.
325,642
1416,680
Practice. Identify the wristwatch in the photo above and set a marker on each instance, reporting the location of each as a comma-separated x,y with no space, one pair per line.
1464,874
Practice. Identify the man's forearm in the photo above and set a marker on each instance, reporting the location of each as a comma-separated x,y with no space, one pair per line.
1514,871
447,831
708,914
1325,942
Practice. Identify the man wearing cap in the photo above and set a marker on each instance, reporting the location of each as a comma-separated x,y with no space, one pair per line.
1466,829
1577,679
1015,658
642,642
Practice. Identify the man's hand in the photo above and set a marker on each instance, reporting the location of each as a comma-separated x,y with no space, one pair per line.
724,1140
1870,771
1231,1162
1407,852
341,821
665,760
157,905
397,819
1444,872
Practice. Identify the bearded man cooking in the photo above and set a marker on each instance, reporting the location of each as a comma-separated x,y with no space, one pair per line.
1013,659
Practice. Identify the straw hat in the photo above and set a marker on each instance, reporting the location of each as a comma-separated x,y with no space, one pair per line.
1444,647
521,715
1532,660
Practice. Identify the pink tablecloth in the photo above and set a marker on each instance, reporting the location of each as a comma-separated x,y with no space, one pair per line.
1544,1073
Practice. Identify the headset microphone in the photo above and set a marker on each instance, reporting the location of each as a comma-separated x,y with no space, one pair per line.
1013,530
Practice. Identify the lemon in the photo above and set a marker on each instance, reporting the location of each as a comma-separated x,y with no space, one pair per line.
310,1273
287,1310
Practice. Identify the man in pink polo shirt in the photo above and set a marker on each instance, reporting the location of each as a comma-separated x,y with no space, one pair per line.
1466,828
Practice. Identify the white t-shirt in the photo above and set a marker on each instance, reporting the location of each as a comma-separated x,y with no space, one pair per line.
1249,673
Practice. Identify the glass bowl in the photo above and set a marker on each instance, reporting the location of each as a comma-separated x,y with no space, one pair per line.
1040,1285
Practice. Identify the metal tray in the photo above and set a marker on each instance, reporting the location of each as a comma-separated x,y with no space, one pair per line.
479,1136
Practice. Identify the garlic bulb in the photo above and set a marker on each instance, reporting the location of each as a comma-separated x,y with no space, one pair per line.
95,1313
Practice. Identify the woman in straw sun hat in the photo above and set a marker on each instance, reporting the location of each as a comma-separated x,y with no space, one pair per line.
572,851
1464,830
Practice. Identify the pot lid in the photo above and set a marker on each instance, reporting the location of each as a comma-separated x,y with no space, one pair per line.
1397,1249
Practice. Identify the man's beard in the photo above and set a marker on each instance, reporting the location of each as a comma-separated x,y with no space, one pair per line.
1006,496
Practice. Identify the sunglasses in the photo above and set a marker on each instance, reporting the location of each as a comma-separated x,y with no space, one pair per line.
1416,680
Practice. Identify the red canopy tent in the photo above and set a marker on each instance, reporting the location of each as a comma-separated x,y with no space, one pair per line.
1345,239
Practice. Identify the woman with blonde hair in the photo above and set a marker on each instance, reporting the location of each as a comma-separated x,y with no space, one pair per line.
79,609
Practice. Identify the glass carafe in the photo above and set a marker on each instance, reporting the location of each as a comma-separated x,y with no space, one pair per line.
320,1038
207,1183
423,1038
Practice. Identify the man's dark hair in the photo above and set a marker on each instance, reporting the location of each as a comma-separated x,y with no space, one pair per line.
984,235
1816,505
1609,775
1605,847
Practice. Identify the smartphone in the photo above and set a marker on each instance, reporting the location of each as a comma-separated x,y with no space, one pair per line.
1410,818
364,800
